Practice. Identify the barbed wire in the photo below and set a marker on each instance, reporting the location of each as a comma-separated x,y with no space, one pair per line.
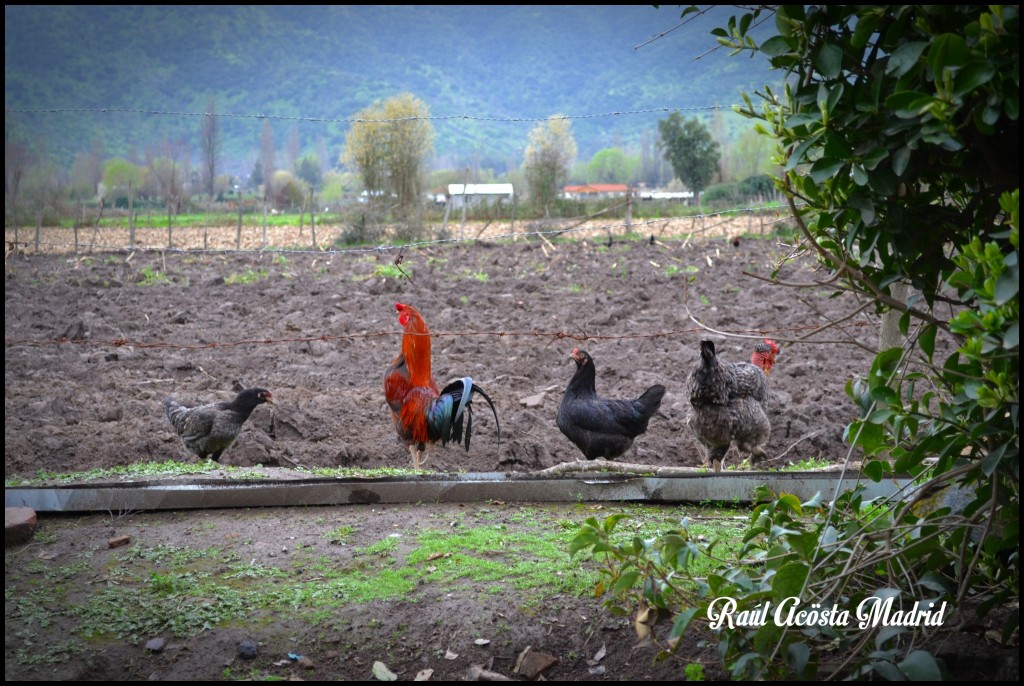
579,335
385,248
355,120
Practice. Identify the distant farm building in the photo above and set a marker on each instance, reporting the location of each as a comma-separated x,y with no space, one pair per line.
476,194
596,191
681,197
366,196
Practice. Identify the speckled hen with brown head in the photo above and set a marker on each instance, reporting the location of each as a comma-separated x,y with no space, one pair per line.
728,402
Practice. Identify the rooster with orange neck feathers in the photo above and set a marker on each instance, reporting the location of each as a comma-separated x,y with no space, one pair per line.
422,414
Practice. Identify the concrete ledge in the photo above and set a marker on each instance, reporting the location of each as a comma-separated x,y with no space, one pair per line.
735,487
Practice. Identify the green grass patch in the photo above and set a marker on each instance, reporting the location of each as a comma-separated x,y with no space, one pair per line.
340,535
358,473
152,277
146,470
182,591
49,653
142,470
383,547
673,269
248,276
391,271
806,465
180,605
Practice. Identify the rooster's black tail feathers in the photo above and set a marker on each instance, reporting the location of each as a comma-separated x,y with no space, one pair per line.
460,393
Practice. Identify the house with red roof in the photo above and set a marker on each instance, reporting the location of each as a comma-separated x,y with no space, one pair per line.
595,191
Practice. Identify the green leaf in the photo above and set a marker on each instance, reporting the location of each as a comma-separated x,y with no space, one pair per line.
803,119
900,160
626,581
826,168
860,177
798,155
972,76
830,60
797,655
991,461
885,362
866,27
1007,285
612,521
873,470
682,621
880,416
775,46
837,146
888,671
904,58
909,104
921,666
872,158
829,537
813,502
947,51
1011,337
789,581
887,633
933,582
790,502
870,437
927,340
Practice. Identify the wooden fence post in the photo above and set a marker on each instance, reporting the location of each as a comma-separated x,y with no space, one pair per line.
629,210
131,216
512,229
263,244
312,217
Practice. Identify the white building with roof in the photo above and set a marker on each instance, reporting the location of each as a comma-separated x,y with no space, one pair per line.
474,194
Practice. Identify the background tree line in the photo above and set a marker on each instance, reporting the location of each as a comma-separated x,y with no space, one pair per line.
380,160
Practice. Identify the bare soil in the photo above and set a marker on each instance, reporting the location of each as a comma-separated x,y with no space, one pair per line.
94,341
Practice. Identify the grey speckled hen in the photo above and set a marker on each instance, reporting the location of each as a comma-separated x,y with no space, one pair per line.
208,430
728,402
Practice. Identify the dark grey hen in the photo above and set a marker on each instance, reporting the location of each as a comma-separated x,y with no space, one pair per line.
601,427
208,430
729,401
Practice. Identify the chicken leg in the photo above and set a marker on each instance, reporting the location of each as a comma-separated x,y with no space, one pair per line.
418,458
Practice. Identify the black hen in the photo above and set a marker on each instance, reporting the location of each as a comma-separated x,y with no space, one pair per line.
599,427
209,430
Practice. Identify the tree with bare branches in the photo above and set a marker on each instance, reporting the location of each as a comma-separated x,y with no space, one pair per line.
550,154
389,145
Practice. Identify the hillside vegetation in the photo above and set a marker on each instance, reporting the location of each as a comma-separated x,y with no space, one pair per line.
323,64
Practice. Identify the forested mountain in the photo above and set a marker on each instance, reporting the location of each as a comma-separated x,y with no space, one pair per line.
471,65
